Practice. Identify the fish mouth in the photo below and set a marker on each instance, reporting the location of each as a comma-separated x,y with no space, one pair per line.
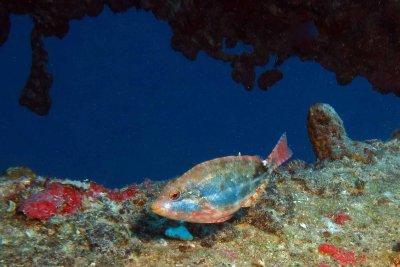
157,208
160,209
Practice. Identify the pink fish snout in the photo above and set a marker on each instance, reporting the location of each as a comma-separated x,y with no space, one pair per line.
157,208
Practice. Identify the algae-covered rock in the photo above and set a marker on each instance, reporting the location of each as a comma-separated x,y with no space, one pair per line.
329,139
342,210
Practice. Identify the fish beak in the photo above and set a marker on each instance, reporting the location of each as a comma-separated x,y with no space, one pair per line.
156,208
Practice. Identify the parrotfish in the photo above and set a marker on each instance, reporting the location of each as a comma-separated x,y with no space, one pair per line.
212,191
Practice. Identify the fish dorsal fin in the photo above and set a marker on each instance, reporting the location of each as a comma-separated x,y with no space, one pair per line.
279,154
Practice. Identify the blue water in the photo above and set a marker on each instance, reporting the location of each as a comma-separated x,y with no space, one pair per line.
127,107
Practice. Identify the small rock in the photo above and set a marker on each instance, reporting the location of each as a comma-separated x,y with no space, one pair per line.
18,172
180,232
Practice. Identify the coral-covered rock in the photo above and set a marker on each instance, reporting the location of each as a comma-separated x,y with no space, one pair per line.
55,199
339,217
395,134
340,255
96,190
269,78
64,197
35,95
18,172
292,208
328,248
329,139
326,131
59,198
4,25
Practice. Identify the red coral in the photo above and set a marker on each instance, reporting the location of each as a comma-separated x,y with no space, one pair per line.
347,257
115,195
62,199
40,209
328,248
127,193
95,190
71,199
341,255
55,199
339,217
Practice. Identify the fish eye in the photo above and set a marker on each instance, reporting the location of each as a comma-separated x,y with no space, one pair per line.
174,195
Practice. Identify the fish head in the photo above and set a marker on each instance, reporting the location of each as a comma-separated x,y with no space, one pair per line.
178,202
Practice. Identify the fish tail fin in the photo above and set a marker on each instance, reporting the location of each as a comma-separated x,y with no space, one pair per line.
279,154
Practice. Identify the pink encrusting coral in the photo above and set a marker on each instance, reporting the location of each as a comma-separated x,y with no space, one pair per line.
62,199
55,199
340,255
95,190
339,217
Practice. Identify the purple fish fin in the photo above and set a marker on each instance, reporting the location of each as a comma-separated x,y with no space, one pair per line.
279,154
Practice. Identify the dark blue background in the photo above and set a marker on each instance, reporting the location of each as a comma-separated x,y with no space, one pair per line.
127,107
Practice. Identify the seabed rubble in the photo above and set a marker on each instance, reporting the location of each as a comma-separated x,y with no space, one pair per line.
342,210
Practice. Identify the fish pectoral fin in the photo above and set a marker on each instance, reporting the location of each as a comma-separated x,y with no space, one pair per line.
207,208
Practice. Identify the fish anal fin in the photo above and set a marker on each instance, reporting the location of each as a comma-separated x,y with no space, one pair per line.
253,198
222,219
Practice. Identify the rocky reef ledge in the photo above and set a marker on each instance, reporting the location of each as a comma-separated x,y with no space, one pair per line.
343,209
